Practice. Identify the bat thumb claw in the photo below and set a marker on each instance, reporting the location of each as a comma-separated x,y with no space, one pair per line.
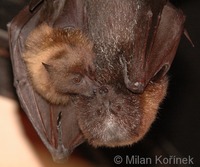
137,87
61,153
188,37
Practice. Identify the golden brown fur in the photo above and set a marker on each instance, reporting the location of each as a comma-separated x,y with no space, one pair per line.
151,99
56,57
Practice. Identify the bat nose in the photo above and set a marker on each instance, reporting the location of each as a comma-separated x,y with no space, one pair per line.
103,90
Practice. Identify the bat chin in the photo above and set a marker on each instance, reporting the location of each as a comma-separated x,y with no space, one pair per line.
114,118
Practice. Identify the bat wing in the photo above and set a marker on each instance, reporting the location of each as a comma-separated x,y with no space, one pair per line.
165,42
56,125
154,49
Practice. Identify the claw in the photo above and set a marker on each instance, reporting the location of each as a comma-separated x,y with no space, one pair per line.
188,37
61,152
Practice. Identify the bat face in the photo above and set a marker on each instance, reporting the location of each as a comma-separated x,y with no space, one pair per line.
74,78
60,63
115,118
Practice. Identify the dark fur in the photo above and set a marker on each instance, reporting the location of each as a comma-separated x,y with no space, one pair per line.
116,116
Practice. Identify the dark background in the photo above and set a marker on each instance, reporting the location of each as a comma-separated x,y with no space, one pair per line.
177,128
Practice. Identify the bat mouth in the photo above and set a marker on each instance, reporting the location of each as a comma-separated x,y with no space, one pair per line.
113,132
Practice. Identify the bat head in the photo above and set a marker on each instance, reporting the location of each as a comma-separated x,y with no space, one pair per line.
60,62
68,78
71,68
117,118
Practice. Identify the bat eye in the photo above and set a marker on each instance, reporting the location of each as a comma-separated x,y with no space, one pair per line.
77,79
161,73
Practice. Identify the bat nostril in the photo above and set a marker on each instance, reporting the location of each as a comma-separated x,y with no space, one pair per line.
103,90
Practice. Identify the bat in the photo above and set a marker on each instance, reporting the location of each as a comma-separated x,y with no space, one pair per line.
134,43
60,137
134,80
66,60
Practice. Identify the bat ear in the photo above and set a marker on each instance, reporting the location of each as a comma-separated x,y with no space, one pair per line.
48,67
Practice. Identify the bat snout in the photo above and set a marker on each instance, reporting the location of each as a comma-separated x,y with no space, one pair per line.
103,90
90,90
